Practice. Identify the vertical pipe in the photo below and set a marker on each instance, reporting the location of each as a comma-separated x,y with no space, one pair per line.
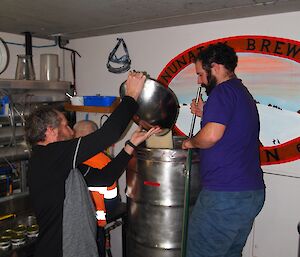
187,185
28,43
28,59
73,61
194,115
23,177
298,227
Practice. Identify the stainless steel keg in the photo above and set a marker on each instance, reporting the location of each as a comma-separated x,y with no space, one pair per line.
155,191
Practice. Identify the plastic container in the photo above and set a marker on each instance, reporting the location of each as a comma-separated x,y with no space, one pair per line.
77,100
6,181
4,105
49,69
98,100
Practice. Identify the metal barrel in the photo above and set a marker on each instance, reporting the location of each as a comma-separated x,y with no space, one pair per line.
155,191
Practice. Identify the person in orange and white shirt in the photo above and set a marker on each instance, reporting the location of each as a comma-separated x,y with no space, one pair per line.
103,186
104,197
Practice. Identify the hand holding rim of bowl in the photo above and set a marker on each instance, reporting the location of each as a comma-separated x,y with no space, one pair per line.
135,84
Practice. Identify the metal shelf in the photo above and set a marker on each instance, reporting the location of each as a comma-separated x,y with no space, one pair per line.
22,91
18,86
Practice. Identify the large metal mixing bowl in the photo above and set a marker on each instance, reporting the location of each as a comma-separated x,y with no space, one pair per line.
158,105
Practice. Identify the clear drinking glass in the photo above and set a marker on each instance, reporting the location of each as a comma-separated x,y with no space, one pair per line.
25,69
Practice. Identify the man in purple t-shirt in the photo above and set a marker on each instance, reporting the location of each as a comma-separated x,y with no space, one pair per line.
233,188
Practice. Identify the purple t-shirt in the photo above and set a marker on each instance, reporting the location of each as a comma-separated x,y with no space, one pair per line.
232,164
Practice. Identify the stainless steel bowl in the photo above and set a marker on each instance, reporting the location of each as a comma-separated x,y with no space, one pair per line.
158,106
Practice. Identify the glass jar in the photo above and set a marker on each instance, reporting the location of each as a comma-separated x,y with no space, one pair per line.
25,69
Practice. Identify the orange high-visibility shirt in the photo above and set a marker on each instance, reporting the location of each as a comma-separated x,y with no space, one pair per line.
99,161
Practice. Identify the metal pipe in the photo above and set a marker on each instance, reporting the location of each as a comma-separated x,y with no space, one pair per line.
23,177
194,115
15,153
187,185
28,43
298,227
73,62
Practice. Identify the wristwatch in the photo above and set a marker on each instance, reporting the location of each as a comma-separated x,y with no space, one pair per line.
128,142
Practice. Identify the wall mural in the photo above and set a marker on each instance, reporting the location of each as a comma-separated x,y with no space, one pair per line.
270,69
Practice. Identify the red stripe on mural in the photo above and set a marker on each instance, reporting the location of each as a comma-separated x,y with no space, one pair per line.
275,46
286,152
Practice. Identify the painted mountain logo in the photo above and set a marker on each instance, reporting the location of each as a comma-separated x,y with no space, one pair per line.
270,68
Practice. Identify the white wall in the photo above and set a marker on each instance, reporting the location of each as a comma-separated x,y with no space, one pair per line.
150,51
275,232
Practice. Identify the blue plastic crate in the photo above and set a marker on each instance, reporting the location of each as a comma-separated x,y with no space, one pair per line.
98,100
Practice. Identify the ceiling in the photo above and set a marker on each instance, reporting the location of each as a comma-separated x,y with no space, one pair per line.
72,19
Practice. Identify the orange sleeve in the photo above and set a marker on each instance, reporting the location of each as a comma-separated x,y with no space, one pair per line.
98,161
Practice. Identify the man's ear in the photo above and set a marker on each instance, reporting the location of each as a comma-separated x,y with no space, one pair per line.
51,134
215,66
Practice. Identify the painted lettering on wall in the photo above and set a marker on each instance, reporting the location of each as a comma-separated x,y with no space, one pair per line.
287,152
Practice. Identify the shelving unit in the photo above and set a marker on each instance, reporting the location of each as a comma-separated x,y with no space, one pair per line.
35,90
95,109
24,96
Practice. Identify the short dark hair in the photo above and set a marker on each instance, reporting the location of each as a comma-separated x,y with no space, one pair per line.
219,53
37,123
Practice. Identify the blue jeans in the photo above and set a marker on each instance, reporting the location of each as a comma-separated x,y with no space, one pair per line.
221,222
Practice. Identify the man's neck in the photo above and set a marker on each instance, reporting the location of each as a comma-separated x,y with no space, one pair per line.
42,143
45,142
227,76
